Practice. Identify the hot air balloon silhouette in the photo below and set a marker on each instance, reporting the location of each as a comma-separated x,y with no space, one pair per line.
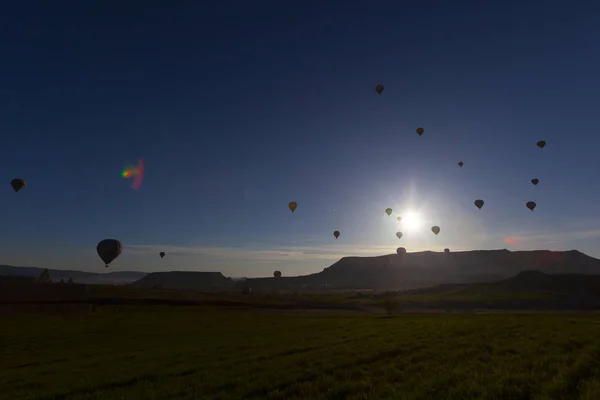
420,131
17,184
399,235
379,89
388,211
161,254
478,203
435,229
531,205
108,250
292,206
336,234
541,144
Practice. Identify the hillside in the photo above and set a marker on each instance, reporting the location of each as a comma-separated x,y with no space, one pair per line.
109,278
526,290
184,280
413,270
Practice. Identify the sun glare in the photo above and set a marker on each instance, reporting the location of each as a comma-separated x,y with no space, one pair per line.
411,221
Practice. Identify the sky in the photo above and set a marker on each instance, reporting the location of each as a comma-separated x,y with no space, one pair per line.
237,108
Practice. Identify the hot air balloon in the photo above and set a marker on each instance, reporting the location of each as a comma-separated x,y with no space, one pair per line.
379,89
435,229
399,235
400,251
446,250
388,211
420,131
460,163
535,181
17,184
336,234
531,205
399,219
108,250
478,203
292,206
161,254
541,144
277,274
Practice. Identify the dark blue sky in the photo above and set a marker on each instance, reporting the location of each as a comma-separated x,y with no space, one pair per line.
238,108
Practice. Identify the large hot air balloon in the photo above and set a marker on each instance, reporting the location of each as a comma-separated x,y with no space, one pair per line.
535,181
399,235
400,251
277,274
446,250
336,234
435,229
161,254
17,184
541,144
388,211
379,89
108,250
420,131
478,203
460,163
531,205
292,206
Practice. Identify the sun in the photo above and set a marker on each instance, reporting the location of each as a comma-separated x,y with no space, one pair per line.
411,221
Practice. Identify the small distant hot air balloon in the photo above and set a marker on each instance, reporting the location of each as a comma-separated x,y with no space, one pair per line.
336,234
420,131
379,89
460,163
541,144
531,205
108,250
435,229
446,250
161,254
17,184
277,274
388,211
478,203
292,206
535,181
399,219
399,235
400,251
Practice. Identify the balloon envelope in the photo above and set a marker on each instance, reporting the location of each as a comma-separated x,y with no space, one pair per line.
535,181
531,205
435,229
541,144
401,250
478,203
420,131
17,184
336,234
292,206
379,89
277,274
460,163
388,211
399,235
161,254
108,250
446,250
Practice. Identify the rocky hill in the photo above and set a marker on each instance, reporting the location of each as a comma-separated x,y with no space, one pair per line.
183,280
414,270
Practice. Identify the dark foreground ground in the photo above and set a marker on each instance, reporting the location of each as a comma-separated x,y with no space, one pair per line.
186,352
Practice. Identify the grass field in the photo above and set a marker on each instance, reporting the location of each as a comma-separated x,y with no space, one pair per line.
232,353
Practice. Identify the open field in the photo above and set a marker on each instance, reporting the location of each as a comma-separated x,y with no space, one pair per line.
247,353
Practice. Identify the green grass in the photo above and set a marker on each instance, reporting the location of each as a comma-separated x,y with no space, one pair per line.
200,353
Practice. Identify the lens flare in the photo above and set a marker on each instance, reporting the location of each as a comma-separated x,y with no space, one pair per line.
136,172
